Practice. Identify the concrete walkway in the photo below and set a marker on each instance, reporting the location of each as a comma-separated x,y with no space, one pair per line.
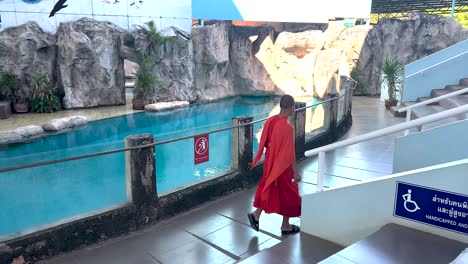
219,232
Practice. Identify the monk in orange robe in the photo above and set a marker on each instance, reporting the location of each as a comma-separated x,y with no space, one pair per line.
276,192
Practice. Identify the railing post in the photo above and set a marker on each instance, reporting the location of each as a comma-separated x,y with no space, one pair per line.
242,143
299,129
408,118
333,112
321,171
140,170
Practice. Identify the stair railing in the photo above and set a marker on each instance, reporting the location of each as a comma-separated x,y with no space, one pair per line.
376,134
409,108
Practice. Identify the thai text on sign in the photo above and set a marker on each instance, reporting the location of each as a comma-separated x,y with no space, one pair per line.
439,208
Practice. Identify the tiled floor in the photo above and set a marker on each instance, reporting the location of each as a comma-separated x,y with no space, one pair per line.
219,232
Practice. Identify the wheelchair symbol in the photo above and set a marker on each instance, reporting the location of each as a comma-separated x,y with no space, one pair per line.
407,198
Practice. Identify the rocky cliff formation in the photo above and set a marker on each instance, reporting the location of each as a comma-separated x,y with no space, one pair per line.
406,40
27,50
89,66
85,58
226,62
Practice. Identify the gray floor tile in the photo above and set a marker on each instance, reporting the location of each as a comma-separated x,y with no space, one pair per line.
262,258
309,176
335,259
329,180
163,239
237,239
307,188
122,252
271,223
202,222
368,175
304,248
264,246
194,252
394,244
67,259
235,209
366,165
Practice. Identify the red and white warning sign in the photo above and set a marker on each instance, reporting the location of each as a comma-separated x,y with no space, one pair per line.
201,149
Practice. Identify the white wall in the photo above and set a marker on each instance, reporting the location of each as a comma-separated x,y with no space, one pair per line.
447,143
348,214
310,11
165,13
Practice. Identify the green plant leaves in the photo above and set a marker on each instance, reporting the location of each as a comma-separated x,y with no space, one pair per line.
43,98
392,71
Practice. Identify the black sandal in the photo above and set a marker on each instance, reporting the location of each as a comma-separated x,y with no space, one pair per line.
253,223
294,229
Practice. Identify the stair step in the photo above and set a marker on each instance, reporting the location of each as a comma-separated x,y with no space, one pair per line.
398,244
464,82
455,101
454,88
395,113
312,250
422,99
426,110
439,92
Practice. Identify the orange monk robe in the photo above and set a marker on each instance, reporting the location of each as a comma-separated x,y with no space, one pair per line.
276,193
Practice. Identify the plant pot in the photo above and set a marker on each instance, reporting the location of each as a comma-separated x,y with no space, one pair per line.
139,104
390,103
21,108
5,109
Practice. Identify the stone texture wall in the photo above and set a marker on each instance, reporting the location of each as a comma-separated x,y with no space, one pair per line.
85,59
90,68
406,40
27,50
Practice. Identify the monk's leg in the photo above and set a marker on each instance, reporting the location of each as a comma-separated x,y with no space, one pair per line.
285,226
257,213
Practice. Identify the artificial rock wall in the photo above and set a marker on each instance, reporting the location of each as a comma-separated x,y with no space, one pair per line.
84,59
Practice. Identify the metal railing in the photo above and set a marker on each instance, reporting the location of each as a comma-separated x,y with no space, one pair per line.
42,163
376,134
409,108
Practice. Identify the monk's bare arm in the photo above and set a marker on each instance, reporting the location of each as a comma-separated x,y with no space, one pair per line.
297,176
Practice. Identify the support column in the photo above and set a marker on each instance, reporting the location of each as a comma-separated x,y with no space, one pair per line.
299,129
333,112
242,143
140,168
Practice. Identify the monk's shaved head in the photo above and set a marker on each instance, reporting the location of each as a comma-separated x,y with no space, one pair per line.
286,101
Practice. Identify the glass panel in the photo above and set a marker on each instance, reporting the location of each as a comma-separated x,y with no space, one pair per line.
175,164
34,197
317,120
341,105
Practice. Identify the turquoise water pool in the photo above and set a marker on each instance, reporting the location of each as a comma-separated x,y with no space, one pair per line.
35,197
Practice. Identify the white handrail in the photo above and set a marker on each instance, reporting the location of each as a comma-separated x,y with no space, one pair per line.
434,100
430,101
437,64
379,133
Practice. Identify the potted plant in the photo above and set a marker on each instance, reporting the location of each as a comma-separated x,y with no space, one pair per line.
145,57
8,84
43,99
144,84
20,100
392,71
